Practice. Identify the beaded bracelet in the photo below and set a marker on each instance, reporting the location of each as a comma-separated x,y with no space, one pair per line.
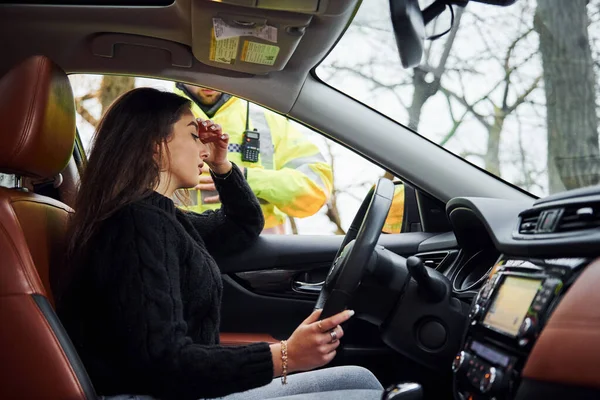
284,362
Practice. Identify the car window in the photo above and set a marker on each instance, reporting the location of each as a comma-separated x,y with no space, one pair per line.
306,184
7,180
513,90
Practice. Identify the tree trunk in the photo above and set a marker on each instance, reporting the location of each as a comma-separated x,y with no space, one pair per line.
492,156
334,216
112,87
333,212
573,151
423,90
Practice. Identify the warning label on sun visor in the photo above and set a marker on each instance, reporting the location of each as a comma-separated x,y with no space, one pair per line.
224,50
259,53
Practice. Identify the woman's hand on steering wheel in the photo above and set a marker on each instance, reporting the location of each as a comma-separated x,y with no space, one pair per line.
314,343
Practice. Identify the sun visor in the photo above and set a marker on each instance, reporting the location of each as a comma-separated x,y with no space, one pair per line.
301,6
251,36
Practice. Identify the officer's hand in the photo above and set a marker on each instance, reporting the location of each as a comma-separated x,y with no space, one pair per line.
206,183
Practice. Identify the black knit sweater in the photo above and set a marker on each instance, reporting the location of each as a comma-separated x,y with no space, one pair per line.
143,309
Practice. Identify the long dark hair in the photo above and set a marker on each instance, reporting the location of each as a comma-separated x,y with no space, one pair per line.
123,166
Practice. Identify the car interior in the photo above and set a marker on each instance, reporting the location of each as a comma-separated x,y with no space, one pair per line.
487,293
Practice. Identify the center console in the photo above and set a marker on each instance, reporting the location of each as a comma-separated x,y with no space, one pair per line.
506,317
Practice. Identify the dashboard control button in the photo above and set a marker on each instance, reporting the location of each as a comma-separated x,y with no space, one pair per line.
492,381
528,328
462,363
475,312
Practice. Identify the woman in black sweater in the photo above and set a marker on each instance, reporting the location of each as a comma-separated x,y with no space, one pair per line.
143,299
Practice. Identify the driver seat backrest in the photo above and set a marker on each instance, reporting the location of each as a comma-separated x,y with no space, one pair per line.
37,135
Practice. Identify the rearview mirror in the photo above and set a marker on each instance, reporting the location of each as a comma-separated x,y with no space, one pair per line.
409,24
409,29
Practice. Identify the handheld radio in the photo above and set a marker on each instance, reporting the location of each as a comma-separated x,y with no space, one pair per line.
251,142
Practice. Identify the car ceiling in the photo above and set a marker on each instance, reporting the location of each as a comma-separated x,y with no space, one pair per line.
73,37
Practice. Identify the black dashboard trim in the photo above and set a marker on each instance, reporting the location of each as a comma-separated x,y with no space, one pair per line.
499,217
445,241
570,195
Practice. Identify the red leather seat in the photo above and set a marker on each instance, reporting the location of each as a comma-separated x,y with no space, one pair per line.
37,133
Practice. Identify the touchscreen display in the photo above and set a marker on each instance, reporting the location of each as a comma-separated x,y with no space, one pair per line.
511,304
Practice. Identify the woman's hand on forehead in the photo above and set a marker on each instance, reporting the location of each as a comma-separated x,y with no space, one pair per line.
209,132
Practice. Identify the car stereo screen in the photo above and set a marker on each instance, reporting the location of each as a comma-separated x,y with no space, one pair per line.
511,304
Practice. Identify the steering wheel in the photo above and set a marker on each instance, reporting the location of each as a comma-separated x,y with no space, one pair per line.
352,258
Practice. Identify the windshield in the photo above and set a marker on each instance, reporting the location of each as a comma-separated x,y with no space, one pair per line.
513,90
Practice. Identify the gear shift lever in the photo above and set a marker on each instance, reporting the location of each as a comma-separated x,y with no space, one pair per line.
403,391
433,289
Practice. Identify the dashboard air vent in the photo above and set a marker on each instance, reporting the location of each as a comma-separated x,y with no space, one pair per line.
433,259
528,224
579,217
560,220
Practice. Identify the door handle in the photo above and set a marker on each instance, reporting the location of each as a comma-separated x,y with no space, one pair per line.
307,287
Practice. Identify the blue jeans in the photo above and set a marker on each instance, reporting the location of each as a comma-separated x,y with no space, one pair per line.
337,383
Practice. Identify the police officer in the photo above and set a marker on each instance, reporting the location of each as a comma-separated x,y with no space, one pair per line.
287,172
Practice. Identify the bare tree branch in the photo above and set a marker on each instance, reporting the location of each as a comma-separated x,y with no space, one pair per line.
524,95
89,96
466,154
455,123
466,104
452,131
450,108
81,110
441,67
85,114
293,225
332,210
522,153
370,78
507,68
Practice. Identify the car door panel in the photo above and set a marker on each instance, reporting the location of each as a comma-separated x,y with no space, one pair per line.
292,251
248,312
263,286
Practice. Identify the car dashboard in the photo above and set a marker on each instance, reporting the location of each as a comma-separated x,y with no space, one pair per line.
528,272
